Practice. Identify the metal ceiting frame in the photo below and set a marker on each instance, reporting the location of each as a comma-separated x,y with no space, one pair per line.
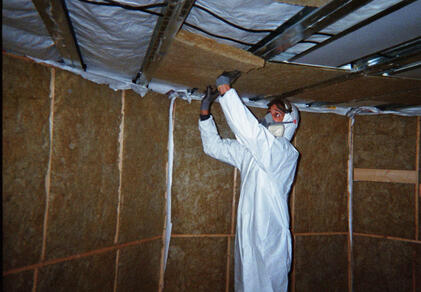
166,27
55,16
353,28
309,24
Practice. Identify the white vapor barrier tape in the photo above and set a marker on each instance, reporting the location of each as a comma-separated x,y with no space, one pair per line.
189,94
113,82
169,180
350,185
351,175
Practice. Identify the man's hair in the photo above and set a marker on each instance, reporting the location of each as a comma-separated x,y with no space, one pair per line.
282,104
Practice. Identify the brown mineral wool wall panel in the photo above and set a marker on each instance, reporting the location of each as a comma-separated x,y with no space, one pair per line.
279,78
93,273
196,264
26,109
202,186
321,180
139,266
321,263
405,91
144,158
85,176
384,208
382,265
22,281
385,142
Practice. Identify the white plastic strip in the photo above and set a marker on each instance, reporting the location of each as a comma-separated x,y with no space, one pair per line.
169,180
350,188
114,82
188,94
351,174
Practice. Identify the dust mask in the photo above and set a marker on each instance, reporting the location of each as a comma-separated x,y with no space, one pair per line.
277,129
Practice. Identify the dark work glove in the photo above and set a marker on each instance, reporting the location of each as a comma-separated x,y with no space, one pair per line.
210,96
227,77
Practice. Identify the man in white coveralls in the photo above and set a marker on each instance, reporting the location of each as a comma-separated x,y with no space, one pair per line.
267,160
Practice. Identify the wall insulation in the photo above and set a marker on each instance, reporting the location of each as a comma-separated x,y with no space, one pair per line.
319,204
387,247
84,194
79,214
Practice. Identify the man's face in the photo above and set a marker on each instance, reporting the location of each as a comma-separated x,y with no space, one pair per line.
277,114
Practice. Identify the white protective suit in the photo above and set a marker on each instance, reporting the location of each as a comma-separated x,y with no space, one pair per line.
267,165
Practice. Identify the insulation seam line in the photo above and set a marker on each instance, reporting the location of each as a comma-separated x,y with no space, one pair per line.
117,259
350,190
227,268
318,233
82,255
47,176
387,237
120,197
120,165
169,180
34,284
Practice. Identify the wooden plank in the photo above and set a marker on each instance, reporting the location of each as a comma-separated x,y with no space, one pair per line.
385,175
387,237
314,3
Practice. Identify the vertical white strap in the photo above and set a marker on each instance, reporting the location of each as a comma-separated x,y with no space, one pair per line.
169,180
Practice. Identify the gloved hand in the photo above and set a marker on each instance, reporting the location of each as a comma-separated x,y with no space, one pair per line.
227,77
210,96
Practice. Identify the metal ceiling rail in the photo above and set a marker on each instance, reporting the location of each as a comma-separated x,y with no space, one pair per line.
57,21
387,62
355,27
166,27
307,26
261,45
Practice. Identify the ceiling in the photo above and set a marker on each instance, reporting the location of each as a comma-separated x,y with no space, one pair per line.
313,51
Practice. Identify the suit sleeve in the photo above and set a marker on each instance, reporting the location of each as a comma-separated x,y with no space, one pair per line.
270,153
225,150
